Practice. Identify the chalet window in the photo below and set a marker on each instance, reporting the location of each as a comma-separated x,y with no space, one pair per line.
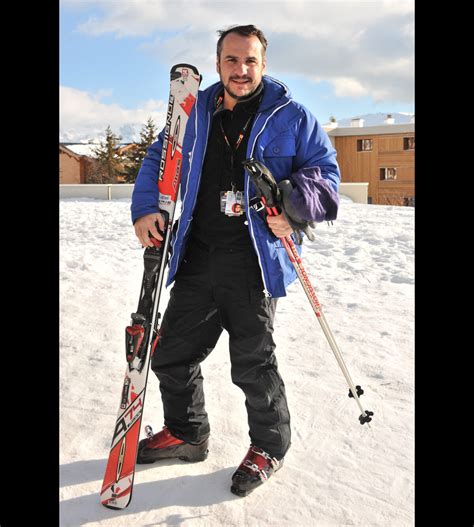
388,174
408,143
409,201
364,145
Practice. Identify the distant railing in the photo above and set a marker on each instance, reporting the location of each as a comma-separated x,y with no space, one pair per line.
357,192
96,191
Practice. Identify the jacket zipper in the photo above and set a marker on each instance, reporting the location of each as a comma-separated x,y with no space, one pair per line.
187,190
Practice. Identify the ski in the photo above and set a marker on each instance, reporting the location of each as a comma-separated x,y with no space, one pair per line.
142,335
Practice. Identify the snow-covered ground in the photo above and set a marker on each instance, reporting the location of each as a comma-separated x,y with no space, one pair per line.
337,472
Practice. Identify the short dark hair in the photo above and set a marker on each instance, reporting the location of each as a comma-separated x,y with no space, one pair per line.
245,31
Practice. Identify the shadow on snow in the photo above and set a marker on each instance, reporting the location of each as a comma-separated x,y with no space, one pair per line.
186,491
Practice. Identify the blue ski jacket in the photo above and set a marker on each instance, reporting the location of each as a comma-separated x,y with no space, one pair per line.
287,138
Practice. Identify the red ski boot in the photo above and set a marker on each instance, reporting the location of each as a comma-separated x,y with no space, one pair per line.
254,470
164,445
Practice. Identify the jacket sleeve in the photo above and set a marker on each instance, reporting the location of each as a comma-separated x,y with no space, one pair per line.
145,192
316,175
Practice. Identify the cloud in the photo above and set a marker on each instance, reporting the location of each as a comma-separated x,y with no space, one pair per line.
360,47
347,87
85,116
374,60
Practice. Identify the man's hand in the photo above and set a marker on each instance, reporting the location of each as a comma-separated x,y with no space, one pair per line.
147,223
279,225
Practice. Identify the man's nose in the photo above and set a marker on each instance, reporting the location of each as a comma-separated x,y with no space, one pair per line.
241,68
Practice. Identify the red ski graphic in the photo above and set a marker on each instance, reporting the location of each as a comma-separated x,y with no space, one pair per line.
188,104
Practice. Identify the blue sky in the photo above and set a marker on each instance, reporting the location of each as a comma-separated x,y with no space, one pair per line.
341,58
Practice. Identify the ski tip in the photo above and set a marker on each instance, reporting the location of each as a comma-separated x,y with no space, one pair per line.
183,65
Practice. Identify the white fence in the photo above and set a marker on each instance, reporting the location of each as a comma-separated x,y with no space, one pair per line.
96,191
357,192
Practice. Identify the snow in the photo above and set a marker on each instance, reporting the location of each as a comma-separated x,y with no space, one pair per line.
336,472
83,149
376,119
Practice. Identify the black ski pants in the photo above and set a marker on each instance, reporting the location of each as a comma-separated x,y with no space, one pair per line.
218,289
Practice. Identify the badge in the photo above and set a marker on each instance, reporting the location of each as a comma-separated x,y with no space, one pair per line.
232,203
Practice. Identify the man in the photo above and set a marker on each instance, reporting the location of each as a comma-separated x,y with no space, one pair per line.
227,263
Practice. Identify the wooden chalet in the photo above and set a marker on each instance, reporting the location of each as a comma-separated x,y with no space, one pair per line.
383,156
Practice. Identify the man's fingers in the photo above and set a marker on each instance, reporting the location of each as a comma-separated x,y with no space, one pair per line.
144,237
279,226
138,232
146,226
154,231
161,222
161,225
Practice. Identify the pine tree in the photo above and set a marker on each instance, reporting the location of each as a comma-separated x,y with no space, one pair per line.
108,163
136,155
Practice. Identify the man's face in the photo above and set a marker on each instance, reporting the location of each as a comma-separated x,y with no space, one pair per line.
240,65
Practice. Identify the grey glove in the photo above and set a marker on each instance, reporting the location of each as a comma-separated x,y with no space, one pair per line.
294,219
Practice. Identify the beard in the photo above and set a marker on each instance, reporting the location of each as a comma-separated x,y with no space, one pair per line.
228,89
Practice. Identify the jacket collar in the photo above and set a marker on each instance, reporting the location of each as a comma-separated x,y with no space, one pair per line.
274,94
248,104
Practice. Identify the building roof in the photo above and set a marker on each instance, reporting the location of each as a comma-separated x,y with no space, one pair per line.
406,128
87,149
68,151
82,149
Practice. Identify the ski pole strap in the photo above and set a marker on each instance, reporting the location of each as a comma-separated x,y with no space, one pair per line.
256,203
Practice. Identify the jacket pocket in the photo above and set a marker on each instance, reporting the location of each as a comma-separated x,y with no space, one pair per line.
282,146
278,156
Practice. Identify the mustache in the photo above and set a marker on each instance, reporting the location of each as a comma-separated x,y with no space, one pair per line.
240,78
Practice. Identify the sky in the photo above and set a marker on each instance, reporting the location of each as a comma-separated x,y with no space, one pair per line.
337,472
338,58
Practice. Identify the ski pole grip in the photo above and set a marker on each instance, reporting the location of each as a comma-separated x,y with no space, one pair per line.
265,184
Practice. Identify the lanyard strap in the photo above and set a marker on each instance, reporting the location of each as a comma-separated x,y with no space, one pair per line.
239,139
219,102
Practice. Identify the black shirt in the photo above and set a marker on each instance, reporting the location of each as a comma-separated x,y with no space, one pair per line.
222,170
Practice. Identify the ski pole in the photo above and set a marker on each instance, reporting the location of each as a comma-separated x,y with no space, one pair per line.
267,188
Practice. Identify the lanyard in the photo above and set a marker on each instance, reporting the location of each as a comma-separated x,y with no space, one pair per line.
241,134
239,139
